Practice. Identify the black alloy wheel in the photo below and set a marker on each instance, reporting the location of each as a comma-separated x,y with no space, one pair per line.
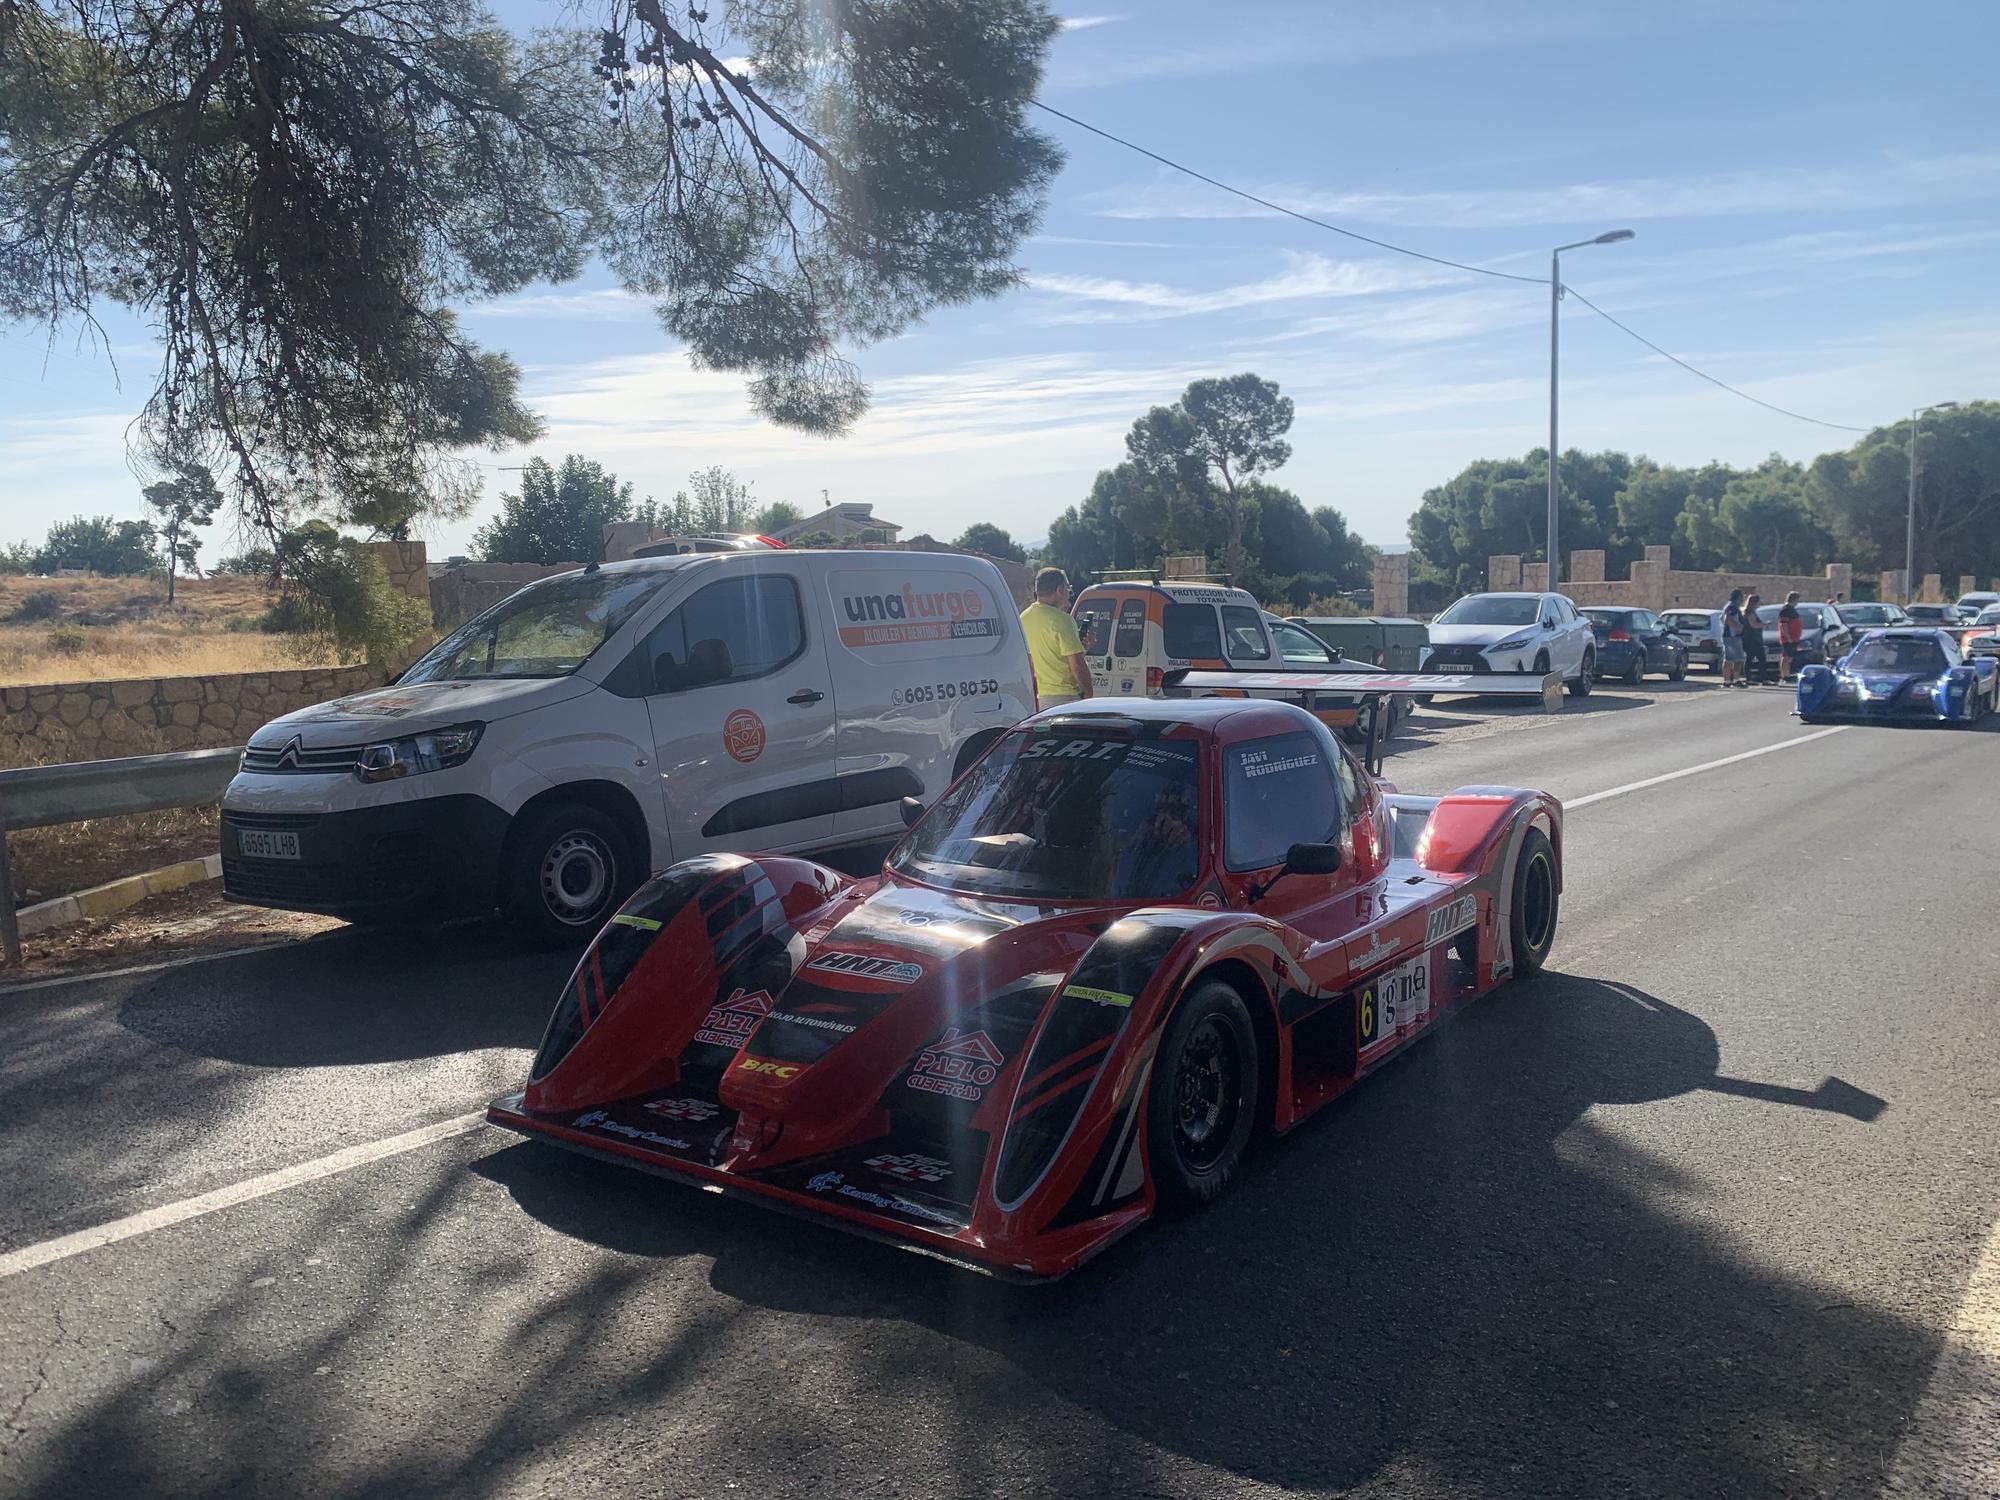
1203,1099
1636,674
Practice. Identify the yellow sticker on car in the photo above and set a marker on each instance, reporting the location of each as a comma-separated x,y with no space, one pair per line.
1098,997
644,924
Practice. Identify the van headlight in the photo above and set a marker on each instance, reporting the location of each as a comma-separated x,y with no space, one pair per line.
414,754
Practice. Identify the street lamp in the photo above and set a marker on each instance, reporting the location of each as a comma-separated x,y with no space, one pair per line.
1611,237
1910,517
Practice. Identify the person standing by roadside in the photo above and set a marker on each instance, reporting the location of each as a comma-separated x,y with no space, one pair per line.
1061,674
1732,641
1791,630
1755,658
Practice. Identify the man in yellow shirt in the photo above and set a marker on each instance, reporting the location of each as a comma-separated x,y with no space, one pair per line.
1053,644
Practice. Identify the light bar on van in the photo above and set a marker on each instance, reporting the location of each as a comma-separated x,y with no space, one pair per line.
414,754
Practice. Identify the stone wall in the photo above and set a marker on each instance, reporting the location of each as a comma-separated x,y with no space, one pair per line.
149,714
1656,584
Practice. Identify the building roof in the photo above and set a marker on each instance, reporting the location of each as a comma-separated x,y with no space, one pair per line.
857,513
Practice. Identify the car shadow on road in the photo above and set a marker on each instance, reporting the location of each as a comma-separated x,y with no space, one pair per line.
1454,1272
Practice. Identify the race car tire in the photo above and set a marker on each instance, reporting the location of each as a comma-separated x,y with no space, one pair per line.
1638,672
1579,685
1536,904
569,869
1202,1102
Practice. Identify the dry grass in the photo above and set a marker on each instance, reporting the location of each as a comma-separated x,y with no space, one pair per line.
101,629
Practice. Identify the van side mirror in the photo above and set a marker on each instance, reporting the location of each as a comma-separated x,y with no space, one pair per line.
912,811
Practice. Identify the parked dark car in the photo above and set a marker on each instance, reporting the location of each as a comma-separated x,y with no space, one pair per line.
1937,616
1827,636
1866,616
1633,642
1700,631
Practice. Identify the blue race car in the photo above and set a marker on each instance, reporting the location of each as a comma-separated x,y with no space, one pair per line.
1902,675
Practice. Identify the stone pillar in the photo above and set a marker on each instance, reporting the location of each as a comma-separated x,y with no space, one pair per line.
1664,556
1503,572
1967,584
1392,583
1586,566
405,563
1649,584
1893,585
1933,589
1535,577
1840,580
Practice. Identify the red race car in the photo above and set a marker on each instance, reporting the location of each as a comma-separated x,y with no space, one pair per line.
1129,935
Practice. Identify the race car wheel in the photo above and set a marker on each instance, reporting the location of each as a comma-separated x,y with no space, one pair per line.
1536,900
1579,685
568,875
1203,1098
1638,672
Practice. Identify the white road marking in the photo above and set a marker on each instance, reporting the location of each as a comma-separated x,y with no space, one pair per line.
1570,804
1953,1445
84,1240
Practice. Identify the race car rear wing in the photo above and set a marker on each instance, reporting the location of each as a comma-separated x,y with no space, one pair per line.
1307,689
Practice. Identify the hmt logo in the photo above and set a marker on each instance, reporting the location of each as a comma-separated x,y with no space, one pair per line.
730,1023
958,1064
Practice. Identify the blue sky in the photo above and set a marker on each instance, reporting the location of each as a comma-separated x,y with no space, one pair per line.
1815,187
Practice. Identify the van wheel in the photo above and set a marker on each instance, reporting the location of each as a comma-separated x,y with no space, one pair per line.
568,872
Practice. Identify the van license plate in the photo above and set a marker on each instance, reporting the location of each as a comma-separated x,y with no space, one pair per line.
254,845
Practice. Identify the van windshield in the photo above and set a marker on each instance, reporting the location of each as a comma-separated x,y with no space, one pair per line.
548,629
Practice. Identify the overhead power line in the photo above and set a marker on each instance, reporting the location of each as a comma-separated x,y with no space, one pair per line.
1279,208
1436,260
1703,374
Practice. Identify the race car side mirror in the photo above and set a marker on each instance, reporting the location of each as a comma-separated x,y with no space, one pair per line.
1300,859
1312,859
912,810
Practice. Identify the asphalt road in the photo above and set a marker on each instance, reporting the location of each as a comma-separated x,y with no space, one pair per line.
1691,1214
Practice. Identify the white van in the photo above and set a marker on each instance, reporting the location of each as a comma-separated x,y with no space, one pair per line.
602,724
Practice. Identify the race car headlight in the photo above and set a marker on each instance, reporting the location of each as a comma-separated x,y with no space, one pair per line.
1513,642
412,755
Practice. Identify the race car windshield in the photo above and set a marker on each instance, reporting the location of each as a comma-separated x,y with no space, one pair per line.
1890,654
1487,610
546,630
1054,815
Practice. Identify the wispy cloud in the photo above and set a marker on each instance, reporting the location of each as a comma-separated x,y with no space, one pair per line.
603,305
1085,23
1303,278
1315,33
1871,185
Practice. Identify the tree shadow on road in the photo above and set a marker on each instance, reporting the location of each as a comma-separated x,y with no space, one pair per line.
1451,1283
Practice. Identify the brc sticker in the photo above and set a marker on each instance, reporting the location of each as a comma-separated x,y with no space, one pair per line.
730,1023
743,736
768,1068
959,1065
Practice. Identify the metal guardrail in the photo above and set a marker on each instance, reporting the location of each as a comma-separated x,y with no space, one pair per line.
43,796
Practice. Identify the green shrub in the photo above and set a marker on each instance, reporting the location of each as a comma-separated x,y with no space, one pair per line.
42,604
68,640
243,624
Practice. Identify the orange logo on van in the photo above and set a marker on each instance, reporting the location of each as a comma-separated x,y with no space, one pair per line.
743,735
